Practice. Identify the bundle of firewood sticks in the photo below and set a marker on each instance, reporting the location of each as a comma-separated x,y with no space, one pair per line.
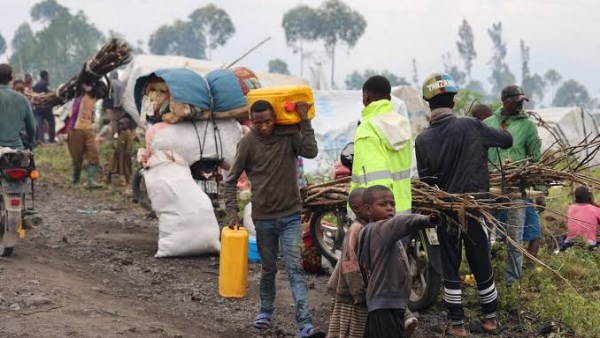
563,166
112,55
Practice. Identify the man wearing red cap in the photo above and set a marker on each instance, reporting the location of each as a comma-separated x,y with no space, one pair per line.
526,146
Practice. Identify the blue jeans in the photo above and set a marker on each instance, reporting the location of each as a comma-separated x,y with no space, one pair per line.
288,231
514,259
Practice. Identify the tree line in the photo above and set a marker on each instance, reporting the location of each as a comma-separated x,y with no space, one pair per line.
66,40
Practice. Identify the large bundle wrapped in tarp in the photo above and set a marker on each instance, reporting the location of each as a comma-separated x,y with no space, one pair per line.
226,93
146,64
188,95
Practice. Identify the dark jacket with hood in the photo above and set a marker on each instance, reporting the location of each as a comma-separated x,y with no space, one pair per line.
452,152
383,260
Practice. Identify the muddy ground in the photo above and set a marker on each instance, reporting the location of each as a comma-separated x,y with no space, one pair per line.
89,271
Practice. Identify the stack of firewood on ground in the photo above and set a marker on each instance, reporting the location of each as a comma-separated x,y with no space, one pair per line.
562,166
112,55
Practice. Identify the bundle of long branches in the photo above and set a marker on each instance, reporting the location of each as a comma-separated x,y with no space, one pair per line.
557,166
112,55
329,193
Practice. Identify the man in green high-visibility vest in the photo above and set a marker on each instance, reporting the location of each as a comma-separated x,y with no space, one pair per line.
383,153
383,145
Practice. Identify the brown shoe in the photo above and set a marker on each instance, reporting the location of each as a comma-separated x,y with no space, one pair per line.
456,330
490,325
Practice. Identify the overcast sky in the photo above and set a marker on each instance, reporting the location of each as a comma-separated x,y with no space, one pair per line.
561,34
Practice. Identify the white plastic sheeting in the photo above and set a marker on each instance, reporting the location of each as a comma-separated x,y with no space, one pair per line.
570,124
336,118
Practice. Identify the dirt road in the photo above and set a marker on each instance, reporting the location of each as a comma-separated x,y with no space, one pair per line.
89,271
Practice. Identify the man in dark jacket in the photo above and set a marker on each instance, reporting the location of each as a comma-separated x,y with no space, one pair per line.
452,154
44,114
268,155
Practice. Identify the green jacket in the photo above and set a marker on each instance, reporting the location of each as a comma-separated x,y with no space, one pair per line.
526,142
15,113
383,152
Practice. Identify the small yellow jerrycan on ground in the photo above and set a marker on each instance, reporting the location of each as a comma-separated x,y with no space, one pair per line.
233,263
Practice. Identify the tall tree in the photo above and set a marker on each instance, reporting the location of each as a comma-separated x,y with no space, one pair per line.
476,86
466,46
459,76
501,75
61,47
552,79
356,80
180,38
415,73
339,23
300,25
572,93
2,45
533,85
47,11
215,25
22,39
278,66
23,36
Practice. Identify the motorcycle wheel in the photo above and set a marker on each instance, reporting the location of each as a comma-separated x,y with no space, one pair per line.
426,282
6,252
327,229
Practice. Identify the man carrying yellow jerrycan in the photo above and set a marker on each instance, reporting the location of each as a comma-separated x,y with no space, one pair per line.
268,155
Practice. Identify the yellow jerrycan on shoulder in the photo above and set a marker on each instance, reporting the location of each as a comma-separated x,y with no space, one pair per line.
283,99
233,263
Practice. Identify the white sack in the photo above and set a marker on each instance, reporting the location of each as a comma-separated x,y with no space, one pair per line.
248,223
183,139
186,220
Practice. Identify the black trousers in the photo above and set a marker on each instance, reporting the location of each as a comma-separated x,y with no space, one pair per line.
477,249
42,116
385,323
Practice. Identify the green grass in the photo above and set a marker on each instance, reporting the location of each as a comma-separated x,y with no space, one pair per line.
542,296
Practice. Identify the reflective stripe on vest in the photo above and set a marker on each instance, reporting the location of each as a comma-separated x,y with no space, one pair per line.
380,175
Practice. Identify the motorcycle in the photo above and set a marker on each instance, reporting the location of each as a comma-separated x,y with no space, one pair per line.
17,173
329,224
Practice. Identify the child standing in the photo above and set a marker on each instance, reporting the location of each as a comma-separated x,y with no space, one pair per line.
384,261
346,285
583,217
121,162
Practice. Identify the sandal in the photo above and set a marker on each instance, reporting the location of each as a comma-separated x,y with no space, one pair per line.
309,331
263,321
